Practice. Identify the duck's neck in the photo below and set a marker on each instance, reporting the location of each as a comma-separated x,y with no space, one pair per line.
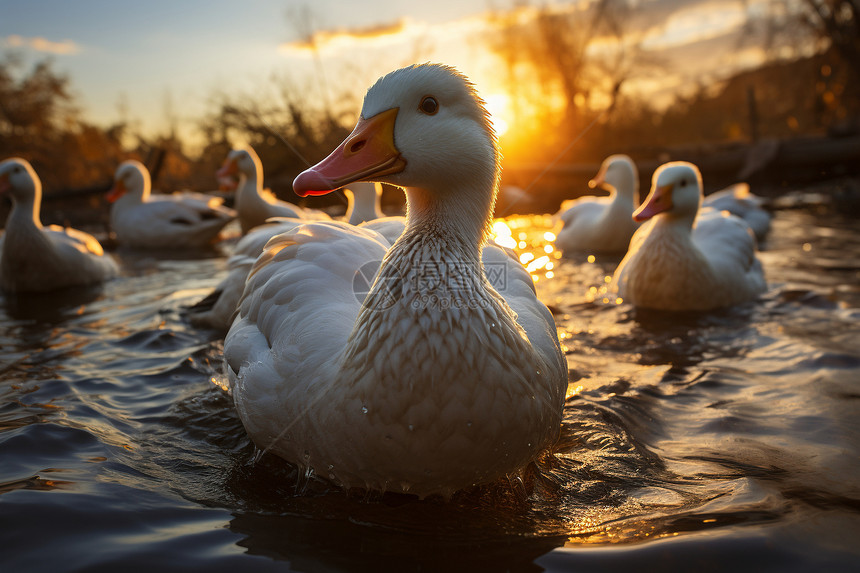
138,194
25,213
460,216
251,183
363,205
678,225
24,244
437,258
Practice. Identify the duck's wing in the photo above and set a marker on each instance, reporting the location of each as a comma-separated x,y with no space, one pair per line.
211,201
167,221
739,201
729,245
312,214
299,304
79,256
72,239
389,227
205,207
582,209
508,276
218,308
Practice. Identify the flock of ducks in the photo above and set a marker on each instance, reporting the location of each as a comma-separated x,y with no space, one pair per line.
442,376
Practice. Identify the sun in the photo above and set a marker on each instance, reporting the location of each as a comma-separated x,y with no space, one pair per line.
499,106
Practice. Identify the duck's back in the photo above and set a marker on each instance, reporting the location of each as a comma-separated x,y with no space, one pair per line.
168,221
728,244
596,224
54,258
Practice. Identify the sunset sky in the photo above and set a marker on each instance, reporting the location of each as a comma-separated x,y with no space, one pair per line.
152,56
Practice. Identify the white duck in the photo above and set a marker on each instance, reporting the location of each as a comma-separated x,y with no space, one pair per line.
739,201
602,224
37,258
674,265
254,204
438,379
143,220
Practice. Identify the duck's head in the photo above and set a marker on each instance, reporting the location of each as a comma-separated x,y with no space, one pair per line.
619,173
676,189
19,179
240,161
421,127
132,177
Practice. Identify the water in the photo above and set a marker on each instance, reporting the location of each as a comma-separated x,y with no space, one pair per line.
711,441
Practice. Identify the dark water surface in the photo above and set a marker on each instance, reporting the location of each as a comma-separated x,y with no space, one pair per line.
708,442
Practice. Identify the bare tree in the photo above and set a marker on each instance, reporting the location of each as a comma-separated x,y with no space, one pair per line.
839,22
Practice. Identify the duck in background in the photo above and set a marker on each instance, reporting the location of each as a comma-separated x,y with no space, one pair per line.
433,381
243,172
218,308
739,201
36,258
678,261
602,225
363,202
143,220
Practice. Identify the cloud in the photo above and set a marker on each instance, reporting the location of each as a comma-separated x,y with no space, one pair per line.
322,39
695,23
39,44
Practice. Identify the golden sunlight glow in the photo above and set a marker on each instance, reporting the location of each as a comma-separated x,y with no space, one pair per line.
499,106
536,264
573,390
503,236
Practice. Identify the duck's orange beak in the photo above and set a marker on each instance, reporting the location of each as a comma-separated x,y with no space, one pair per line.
228,169
367,153
117,191
227,175
658,201
597,182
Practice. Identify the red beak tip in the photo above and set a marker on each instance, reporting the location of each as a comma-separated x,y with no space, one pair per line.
311,182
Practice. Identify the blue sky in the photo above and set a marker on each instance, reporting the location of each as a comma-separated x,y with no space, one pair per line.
145,50
146,53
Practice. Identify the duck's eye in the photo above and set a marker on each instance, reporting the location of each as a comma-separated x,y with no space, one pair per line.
683,182
429,105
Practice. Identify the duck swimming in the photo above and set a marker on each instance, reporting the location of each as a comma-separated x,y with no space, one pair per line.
143,220
255,204
444,375
36,258
602,224
678,261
